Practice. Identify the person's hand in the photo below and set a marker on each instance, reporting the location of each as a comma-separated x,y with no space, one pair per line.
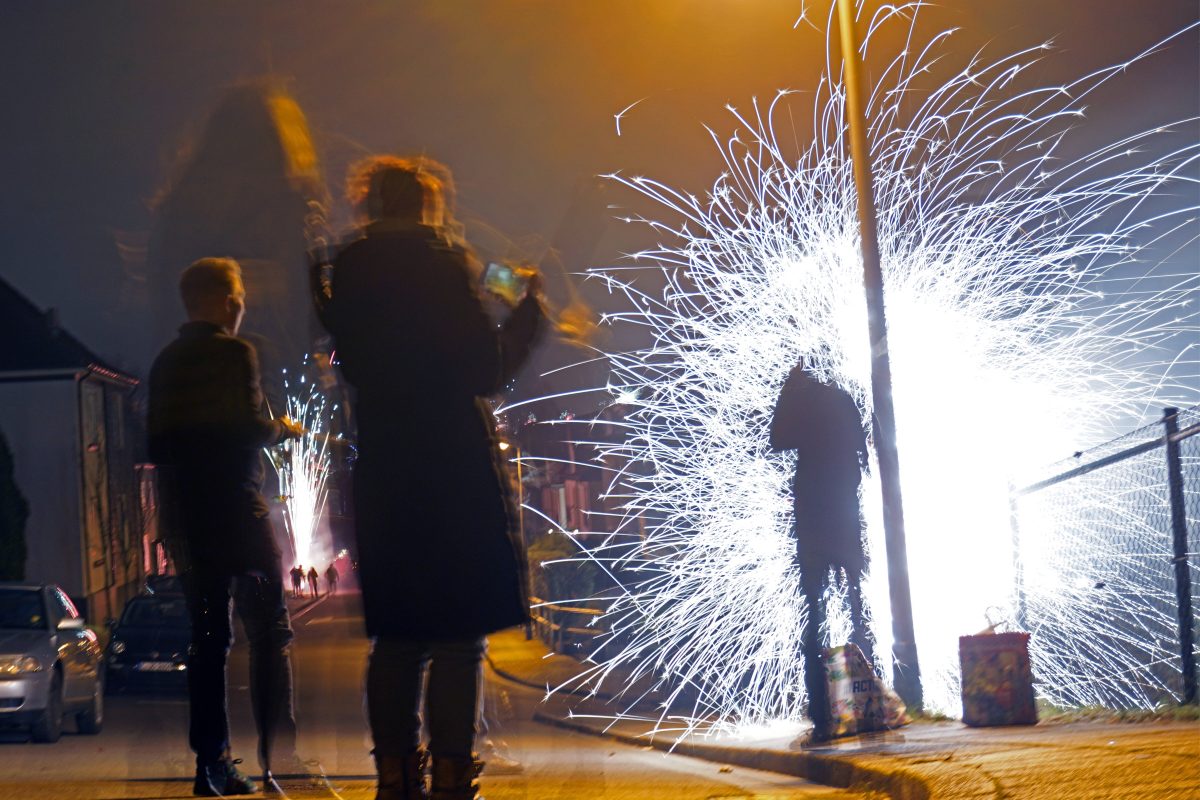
533,284
292,429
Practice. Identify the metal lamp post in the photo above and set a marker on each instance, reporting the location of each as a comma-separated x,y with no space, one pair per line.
904,649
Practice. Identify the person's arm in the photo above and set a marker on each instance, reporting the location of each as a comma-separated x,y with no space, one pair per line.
786,420
246,424
487,356
320,286
520,332
157,440
850,418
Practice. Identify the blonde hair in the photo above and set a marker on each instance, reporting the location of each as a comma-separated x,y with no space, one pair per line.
208,282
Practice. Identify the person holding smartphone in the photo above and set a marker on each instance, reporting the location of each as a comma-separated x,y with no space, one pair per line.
440,567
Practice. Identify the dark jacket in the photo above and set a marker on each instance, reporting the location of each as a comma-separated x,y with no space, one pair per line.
207,430
823,424
433,508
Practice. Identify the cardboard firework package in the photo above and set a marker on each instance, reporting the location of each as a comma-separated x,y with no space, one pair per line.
997,682
859,700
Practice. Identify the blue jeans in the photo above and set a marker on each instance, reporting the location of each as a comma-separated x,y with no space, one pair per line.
395,677
258,597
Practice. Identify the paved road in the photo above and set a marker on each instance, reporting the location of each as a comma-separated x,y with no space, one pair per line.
142,752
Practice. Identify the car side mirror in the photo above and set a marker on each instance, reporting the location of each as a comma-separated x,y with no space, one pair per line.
71,624
110,623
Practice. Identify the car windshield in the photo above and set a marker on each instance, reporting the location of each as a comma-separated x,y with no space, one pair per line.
22,609
166,613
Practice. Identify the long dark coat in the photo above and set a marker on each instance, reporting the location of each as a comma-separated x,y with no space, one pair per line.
433,510
823,425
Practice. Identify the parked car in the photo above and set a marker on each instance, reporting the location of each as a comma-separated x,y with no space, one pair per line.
50,664
163,585
149,643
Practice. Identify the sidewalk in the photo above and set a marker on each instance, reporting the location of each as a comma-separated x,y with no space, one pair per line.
923,761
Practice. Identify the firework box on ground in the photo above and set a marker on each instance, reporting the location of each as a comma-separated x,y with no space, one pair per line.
997,682
859,700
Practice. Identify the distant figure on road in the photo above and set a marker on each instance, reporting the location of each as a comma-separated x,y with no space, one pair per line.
206,433
438,565
312,581
822,423
331,578
297,581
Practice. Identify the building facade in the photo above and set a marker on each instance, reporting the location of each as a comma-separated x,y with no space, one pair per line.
70,422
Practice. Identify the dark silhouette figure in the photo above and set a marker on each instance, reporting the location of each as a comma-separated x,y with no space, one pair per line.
206,433
297,574
312,581
247,185
438,564
14,511
331,578
822,423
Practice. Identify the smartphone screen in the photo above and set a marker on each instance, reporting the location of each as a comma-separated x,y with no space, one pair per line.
503,281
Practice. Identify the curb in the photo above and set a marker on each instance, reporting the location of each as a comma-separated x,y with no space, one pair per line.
543,687
897,780
816,768
929,777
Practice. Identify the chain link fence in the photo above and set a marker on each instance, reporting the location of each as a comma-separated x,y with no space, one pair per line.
1108,569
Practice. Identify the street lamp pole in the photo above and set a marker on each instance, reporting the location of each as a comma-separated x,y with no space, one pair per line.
904,649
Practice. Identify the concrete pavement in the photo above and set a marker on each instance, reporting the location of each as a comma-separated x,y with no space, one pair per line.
142,754
923,761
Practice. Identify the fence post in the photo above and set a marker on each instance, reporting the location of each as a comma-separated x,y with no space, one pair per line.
1018,564
1183,586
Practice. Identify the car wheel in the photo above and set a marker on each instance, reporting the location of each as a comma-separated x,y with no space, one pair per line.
47,728
91,719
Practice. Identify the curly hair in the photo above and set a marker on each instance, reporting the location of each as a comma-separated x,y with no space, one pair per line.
367,177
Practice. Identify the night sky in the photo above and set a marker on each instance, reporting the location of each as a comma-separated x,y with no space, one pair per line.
517,96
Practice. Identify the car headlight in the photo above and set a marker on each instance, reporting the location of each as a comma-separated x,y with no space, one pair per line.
18,665
118,647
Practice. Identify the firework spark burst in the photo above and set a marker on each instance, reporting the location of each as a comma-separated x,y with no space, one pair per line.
302,466
1020,330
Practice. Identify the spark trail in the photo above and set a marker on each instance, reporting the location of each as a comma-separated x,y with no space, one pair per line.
1022,325
302,466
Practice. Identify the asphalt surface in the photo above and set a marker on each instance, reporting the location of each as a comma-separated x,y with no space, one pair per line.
1069,756
142,752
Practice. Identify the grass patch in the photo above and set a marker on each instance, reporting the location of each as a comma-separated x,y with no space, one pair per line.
1048,712
925,715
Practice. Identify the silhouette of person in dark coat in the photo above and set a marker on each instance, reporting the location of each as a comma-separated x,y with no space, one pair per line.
206,433
438,564
823,424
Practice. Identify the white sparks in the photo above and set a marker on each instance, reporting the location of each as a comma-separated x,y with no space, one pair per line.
302,466
1003,353
621,114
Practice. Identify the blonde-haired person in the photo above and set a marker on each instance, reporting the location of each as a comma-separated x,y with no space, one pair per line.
206,434
438,565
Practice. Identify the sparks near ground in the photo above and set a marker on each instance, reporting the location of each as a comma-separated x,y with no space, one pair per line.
1022,326
302,466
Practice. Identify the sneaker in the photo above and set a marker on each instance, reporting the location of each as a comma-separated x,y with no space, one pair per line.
222,779
294,773
810,739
